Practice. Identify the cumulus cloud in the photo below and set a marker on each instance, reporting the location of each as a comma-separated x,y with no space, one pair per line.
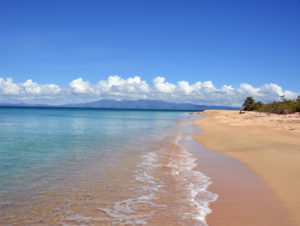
118,86
27,89
115,87
81,87
161,86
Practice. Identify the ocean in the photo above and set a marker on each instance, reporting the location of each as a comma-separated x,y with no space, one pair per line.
64,166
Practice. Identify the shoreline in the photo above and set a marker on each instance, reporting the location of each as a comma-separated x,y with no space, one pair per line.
266,144
243,197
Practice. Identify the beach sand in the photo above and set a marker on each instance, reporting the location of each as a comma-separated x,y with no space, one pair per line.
269,145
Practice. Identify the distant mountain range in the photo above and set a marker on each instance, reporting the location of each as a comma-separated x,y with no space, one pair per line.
129,104
24,105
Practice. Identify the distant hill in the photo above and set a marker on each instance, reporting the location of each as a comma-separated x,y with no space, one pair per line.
129,104
24,105
145,104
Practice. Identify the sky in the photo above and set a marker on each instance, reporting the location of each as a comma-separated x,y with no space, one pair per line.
203,51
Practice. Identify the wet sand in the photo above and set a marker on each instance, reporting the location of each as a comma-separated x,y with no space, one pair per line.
270,146
243,197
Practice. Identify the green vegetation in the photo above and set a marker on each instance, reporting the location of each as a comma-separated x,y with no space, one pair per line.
284,106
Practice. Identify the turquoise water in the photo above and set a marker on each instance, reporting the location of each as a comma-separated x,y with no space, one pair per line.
49,141
100,167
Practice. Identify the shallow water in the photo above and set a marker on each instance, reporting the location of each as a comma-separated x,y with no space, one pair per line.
99,167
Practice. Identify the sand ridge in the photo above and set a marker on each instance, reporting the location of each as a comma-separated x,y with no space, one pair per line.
268,143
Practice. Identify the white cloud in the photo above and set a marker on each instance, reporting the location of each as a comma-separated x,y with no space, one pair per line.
115,87
7,87
185,87
79,86
27,89
30,87
161,86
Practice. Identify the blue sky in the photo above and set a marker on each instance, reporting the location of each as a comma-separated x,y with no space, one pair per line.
227,42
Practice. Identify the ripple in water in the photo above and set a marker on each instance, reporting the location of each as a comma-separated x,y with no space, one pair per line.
137,211
192,182
175,161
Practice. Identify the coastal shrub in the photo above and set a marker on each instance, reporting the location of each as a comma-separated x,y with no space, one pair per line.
256,106
285,105
251,105
248,104
283,112
297,104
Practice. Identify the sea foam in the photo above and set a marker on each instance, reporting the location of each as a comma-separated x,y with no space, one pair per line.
193,182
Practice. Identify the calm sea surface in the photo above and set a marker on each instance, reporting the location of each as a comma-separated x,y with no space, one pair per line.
99,167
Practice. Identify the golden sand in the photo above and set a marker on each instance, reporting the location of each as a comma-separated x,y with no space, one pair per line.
269,144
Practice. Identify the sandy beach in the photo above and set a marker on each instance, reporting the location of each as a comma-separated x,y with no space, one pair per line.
269,145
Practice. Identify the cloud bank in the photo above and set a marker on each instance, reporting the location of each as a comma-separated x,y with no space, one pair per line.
117,88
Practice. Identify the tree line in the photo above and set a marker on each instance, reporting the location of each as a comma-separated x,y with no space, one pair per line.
284,106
